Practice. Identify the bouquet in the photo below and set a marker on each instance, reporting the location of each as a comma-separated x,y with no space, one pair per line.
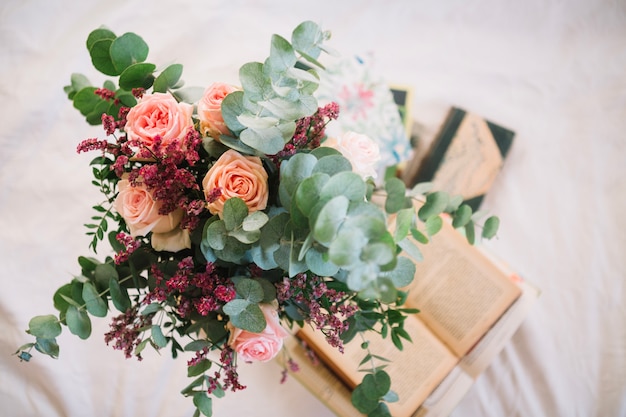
233,218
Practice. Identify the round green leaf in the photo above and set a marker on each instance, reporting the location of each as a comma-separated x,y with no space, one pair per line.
462,215
319,265
433,225
86,100
491,227
396,190
78,322
93,301
99,34
250,319
168,78
45,327
48,347
250,290
332,164
127,50
346,183
137,76
60,303
362,401
101,57
204,403
308,192
119,295
236,306
345,249
157,336
235,211
329,219
435,204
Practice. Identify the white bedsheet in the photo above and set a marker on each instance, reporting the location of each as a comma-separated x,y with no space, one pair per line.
553,71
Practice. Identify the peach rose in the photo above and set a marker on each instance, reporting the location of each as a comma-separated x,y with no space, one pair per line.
158,114
236,176
141,211
362,152
172,241
210,110
263,346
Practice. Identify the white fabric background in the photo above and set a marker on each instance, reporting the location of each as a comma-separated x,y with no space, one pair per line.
553,71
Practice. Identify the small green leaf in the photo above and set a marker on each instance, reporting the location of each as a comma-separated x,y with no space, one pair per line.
470,232
48,347
402,275
490,228
85,100
119,295
235,211
101,57
199,368
382,410
127,50
204,403
362,401
250,319
329,219
168,78
96,306
435,204
137,76
236,306
157,336
45,327
462,215
254,221
433,225
250,290
396,190
99,34
78,322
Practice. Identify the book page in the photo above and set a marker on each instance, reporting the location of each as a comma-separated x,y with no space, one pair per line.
460,293
415,371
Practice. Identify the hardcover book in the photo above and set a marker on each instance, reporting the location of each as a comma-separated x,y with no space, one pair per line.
464,158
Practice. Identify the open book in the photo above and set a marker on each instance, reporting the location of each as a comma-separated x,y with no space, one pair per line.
470,306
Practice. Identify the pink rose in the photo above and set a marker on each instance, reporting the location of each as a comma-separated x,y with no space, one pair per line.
262,346
158,114
362,152
236,175
141,211
210,110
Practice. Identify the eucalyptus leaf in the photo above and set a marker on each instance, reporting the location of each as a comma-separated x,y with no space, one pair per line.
236,306
254,221
45,327
329,219
137,75
346,183
78,322
396,190
85,100
49,347
101,57
157,336
250,319
282,55
433,225
462,215
332,164
96,306
127,50
168,78
490,228
345,250
99,34
119,295
250,290
203,403
362,401
435,204
235,211
403,274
